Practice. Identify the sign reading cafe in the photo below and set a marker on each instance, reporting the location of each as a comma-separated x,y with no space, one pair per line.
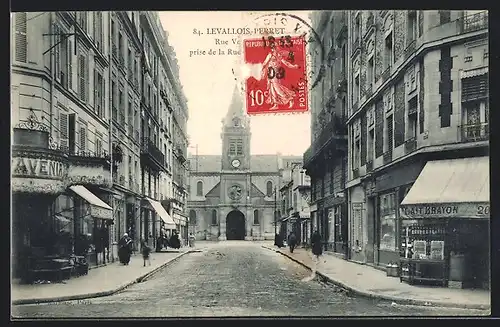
446,210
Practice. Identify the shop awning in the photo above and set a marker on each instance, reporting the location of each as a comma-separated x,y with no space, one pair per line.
98,208
158,208
450,188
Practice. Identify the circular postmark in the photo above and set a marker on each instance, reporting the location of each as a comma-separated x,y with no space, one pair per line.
278,67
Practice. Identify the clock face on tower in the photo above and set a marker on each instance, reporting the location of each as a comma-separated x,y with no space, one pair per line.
235,163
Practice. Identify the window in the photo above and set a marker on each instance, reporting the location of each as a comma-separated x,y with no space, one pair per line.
295,201
130,62
99,91
411,25
256,217
83,77
389,133
98,35
214,217
475,118
412,118
83,139
114,109
356,90
63,130
387,213
192,217
21,40
344,61
388,56
370,151
130,118
357,153
370,73
269,188
199,188
98,146
121,107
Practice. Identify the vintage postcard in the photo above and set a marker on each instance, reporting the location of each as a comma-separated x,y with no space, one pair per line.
184,164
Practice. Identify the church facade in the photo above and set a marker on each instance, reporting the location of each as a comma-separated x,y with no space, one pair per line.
235,195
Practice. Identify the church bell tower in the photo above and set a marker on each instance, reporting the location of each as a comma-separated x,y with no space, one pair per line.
236,136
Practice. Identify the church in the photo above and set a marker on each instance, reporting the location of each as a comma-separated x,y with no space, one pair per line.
235,195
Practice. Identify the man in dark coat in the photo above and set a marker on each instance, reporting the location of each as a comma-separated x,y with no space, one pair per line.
278,241
317,248
174,242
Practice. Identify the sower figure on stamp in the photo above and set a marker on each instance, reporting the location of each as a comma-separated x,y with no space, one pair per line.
278,94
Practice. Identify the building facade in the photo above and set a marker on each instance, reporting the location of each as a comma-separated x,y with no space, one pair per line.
326,159
78,104
234,195
417,92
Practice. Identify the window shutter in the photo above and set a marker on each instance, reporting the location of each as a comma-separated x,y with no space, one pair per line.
21,39
63,130
379,129
364,134
103,97
70,64
475,88
96,92
87,78
83,138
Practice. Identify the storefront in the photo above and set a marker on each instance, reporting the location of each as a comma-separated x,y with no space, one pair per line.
181,224
153,227
446,225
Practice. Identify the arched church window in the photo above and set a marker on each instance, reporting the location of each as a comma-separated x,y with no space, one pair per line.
192,217
256,217
214,217
199,188
269,188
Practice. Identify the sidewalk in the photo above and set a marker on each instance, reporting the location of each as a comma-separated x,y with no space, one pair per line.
367,281
101,281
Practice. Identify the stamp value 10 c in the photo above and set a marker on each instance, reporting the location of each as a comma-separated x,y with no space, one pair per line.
280,86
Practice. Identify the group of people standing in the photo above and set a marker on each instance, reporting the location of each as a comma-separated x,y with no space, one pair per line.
317,248
126,247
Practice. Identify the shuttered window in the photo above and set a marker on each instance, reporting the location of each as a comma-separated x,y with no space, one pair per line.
83,138
70,64
399,113
20,37
390,133
99,91
63,130
82,77
475,88
379,128
363,139
98,147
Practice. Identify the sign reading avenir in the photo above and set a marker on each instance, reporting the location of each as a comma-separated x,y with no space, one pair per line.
458,210
33,167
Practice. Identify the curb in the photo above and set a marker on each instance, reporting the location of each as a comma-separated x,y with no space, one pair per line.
395,299
99,294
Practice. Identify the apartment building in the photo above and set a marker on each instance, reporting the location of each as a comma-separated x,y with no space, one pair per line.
90,120
325,160
418,100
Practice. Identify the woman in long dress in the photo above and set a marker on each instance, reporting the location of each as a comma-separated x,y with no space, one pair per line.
125,249
277,93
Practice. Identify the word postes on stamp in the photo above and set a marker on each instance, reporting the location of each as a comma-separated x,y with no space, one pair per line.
277,79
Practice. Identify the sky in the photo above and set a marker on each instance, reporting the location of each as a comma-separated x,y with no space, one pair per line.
208,82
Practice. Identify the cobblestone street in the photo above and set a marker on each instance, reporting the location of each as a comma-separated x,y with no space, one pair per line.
229,279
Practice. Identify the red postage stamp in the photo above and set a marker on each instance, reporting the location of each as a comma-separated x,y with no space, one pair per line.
279,84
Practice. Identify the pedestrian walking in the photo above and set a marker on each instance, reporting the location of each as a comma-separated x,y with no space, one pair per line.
125,249
317,248
192,240
146,252
292,241
278,241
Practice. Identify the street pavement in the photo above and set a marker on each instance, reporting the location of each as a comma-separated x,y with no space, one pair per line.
368,281
230,279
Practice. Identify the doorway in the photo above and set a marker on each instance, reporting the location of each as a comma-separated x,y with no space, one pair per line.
235,226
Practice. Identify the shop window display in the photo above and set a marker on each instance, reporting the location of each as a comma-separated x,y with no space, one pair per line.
387,222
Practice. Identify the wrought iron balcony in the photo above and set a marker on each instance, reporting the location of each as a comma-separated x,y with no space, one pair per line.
474,132
410,145
474,22
369,166
152,156
180,154
334,132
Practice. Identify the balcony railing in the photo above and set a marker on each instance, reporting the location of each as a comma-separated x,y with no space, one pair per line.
180,154
387,157
149,149
474,132
410,145
410,49
334,129
474,22
369,166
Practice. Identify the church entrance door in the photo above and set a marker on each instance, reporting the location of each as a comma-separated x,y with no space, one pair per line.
235,225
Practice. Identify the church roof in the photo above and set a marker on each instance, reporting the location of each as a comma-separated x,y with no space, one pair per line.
214,192
235,108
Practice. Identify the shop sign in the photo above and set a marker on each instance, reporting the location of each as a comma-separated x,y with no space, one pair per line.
38,168
450,210
98,212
